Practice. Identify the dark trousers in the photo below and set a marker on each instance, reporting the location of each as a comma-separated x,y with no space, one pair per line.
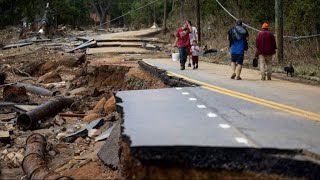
183,54
195,60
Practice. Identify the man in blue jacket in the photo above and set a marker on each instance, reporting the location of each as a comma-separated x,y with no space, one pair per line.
238,44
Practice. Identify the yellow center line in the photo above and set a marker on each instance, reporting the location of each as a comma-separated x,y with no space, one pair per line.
278,106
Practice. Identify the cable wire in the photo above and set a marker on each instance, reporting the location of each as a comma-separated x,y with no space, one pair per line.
292,38
130,12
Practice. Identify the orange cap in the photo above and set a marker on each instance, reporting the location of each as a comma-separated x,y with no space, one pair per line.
265,26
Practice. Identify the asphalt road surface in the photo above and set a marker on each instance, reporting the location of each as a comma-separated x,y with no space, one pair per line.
223,112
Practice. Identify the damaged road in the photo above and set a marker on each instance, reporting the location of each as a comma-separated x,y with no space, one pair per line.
65,102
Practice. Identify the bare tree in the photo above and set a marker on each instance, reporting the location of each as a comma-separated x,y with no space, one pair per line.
101,7
182,9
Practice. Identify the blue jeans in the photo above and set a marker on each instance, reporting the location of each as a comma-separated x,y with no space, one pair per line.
183,54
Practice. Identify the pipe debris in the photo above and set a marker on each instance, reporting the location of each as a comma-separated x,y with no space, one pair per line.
51,108
34,164
37,90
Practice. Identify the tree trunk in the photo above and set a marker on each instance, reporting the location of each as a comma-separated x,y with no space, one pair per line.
198,21
164,30
182,11
279,29
103,19
239,9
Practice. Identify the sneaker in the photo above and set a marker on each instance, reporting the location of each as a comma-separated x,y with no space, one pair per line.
181,67
238,78
233,76
197,66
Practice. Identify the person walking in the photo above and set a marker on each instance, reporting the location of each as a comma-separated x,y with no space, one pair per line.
183,42
237,36
193,36
265,48
195,54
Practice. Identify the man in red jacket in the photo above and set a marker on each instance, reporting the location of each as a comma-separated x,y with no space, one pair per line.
183,41
265,49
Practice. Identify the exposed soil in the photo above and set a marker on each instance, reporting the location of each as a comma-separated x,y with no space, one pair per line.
88,80
92,170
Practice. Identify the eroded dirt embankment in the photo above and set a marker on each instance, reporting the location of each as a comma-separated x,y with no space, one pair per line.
90,85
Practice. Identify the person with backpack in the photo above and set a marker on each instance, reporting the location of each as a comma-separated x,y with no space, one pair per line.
237,36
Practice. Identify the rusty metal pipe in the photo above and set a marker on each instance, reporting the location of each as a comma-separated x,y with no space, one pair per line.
34,164
36,145
37,90
51,108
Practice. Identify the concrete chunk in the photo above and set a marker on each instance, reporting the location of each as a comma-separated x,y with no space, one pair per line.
4,137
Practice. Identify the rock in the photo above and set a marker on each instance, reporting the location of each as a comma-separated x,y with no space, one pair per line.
20,141
80,141
91,117
50,77
94,132
48,66
58,120
94,92
4,152
99,106
19,156
110,105
52,153
61,135
70,119
44,132
9,127
15,94
4,137
7,117
32,67
79,91
10,156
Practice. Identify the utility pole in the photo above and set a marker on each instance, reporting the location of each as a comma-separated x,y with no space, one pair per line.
279,29
165,17
198,21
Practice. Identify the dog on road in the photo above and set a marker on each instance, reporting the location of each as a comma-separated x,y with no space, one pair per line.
289,69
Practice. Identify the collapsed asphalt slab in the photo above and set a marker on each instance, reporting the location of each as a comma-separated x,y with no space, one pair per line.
173,128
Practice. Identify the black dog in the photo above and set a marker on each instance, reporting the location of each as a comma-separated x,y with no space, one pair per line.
290,70
208,51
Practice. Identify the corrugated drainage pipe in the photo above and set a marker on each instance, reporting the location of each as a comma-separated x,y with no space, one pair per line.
33,163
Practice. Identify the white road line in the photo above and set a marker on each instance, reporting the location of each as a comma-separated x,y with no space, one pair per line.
178,88
224,126
212,115
185,93
192,99
200,106
241,140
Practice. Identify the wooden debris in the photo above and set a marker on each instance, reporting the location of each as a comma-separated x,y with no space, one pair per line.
7,117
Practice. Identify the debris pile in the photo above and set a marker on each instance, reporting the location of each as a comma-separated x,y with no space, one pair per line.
57,108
